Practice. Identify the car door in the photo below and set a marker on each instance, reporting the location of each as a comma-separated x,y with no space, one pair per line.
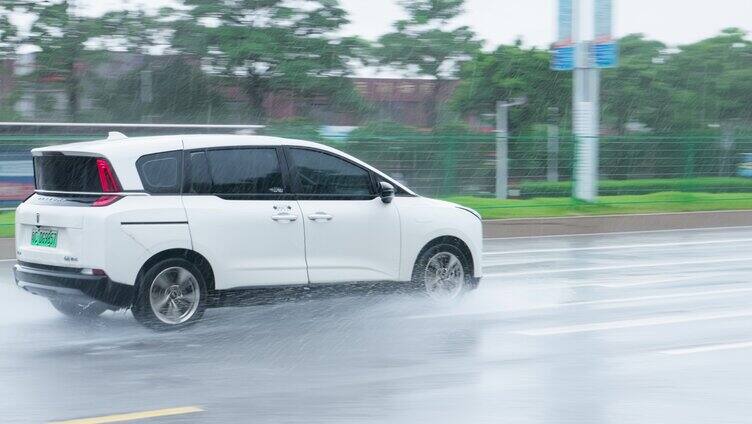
243,217
350,234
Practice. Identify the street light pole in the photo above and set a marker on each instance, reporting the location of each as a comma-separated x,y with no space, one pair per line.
552,147
502,150
502,145
585,107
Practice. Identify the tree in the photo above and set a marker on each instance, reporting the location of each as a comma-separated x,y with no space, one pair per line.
711,80
8,35
65,39
636,91
424,42
181,93
272,45
510,72
59,34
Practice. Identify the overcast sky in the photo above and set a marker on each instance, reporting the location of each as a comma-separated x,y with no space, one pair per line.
501,21
674,22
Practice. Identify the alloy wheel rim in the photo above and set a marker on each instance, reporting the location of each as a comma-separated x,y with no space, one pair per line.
444,276
174,295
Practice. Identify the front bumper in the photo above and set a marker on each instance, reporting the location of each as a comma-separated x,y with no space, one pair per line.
71,284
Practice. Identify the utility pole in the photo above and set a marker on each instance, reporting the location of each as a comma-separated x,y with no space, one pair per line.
552,146
502,145
585,107
585,59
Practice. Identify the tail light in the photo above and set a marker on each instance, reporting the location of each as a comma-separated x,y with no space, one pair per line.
109,183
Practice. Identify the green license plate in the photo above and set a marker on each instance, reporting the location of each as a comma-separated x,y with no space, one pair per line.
44,237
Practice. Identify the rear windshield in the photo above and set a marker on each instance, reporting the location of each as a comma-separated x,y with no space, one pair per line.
67,173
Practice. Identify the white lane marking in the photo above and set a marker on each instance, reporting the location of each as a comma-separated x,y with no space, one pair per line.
7,260
616,233
619,247
632,323
595,302
134,416
707,348
614,267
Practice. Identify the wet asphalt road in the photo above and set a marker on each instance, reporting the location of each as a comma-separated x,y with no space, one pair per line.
631,328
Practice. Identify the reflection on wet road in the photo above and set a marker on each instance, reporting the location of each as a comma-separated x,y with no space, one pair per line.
645,327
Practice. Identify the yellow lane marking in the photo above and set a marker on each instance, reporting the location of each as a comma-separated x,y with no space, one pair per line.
133,416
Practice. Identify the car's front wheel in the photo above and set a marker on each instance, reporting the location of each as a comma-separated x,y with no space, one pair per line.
171,295
443,272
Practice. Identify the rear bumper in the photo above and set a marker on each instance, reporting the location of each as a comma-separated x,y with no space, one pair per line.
71,285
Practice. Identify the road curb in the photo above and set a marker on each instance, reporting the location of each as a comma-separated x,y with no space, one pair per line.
536,227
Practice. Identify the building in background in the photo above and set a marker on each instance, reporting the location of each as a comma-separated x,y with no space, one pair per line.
408,102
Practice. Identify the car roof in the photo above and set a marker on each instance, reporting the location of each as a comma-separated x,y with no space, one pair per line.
126,150
155,144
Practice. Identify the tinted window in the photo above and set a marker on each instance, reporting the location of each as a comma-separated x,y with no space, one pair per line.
67,173
199,173
159,172
321,173
245,171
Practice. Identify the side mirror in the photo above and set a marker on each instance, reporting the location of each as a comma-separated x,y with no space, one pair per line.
386,191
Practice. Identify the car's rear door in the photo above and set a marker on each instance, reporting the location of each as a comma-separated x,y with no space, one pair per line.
243,218
350,234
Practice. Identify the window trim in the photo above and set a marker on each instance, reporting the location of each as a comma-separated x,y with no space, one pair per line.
180,170
295,181
287,195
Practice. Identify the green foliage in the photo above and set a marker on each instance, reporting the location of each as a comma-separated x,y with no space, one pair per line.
453,128
7,227
708,82
712,80
8,36
65,38
383,129
181,93
424,42
297,128
530,189
610,205
636,91
511,72
271,44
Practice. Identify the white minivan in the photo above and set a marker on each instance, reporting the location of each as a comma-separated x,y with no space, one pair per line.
164,225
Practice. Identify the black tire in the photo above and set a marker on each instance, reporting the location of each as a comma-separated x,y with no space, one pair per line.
419,270
142,308
78,309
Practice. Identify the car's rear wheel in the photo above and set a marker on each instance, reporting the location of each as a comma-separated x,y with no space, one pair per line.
443,273
78,309
171,295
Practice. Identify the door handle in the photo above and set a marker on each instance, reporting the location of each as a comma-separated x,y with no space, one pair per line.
320,216
285,217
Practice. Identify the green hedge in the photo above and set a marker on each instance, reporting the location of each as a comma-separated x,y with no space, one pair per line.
532,189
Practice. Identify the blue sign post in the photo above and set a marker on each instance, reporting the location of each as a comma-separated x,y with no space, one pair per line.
605,55
563,57
605,51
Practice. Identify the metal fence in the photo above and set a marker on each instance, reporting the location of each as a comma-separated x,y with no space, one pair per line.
465,165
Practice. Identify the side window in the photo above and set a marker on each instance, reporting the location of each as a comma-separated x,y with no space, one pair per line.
245,171
159,172
200,178
324,174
